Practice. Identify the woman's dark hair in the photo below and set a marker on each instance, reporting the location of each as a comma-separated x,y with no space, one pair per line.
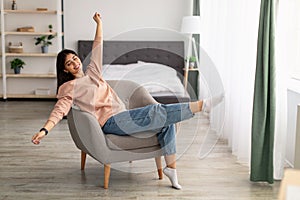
63,76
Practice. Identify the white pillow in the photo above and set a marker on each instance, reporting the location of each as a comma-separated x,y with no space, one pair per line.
116,71
156,78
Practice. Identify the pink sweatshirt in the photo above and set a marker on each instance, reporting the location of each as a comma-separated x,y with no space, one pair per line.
90,93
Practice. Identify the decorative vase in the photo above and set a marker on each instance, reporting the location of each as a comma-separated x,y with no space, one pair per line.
17,70
44,49
14,5
192,65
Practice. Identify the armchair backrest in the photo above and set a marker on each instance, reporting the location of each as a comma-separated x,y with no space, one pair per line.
131,93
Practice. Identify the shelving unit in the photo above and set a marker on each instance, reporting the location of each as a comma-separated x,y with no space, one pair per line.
30,96
191,76
29,33
30,75
29,12
39,71
30,54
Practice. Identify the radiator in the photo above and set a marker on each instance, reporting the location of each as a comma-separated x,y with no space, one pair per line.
293,129
297,143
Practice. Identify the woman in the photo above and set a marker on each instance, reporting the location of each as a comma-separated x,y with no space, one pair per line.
92,94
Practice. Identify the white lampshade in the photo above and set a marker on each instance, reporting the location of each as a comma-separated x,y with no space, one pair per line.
191,25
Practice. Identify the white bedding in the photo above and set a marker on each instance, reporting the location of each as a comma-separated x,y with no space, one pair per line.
158,79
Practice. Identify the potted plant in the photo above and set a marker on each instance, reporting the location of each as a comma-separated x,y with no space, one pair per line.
192,61
45,41
17,64
50,27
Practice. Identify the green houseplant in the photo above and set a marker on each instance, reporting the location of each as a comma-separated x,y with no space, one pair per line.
45,41
192,61
50,27
16,64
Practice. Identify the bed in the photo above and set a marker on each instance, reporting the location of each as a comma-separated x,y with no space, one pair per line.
157,65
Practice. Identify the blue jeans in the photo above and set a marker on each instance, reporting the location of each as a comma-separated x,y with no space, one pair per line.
158,118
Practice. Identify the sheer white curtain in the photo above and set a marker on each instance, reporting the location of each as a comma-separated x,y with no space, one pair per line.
229,37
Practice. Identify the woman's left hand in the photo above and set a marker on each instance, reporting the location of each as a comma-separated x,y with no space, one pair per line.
36,139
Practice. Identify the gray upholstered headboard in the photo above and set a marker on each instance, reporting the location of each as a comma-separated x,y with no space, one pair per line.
170,53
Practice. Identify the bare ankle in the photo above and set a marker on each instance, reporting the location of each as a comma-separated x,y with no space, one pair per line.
171,166
200,105
196,106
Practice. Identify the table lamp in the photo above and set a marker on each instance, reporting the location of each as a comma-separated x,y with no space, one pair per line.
190,25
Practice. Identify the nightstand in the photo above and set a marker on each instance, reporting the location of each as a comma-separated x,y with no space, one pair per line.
191,76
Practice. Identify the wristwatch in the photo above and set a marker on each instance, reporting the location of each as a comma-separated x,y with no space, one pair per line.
44,129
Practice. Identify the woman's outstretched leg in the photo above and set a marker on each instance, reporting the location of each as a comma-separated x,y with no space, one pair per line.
156,116
149,118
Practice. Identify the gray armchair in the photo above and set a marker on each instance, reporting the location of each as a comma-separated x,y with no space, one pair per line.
109,148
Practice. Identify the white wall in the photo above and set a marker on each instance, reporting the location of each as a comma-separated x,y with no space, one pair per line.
121,18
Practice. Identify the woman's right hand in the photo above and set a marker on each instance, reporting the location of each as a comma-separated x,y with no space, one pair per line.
97,18
36,139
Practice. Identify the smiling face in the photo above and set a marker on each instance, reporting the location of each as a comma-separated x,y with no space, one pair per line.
73,65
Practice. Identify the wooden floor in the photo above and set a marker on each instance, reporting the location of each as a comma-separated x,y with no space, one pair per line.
52,169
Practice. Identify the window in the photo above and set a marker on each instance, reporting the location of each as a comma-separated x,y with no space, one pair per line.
288,40
296,68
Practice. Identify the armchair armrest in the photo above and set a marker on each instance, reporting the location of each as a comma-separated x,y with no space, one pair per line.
87,134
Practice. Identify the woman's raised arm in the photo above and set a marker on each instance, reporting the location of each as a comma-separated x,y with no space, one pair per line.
95,66
98,34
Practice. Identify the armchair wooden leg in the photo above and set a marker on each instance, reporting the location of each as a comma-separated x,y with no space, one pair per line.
83,159
159,167
106,175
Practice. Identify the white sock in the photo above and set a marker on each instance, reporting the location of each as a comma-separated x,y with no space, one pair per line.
172,175
208,104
